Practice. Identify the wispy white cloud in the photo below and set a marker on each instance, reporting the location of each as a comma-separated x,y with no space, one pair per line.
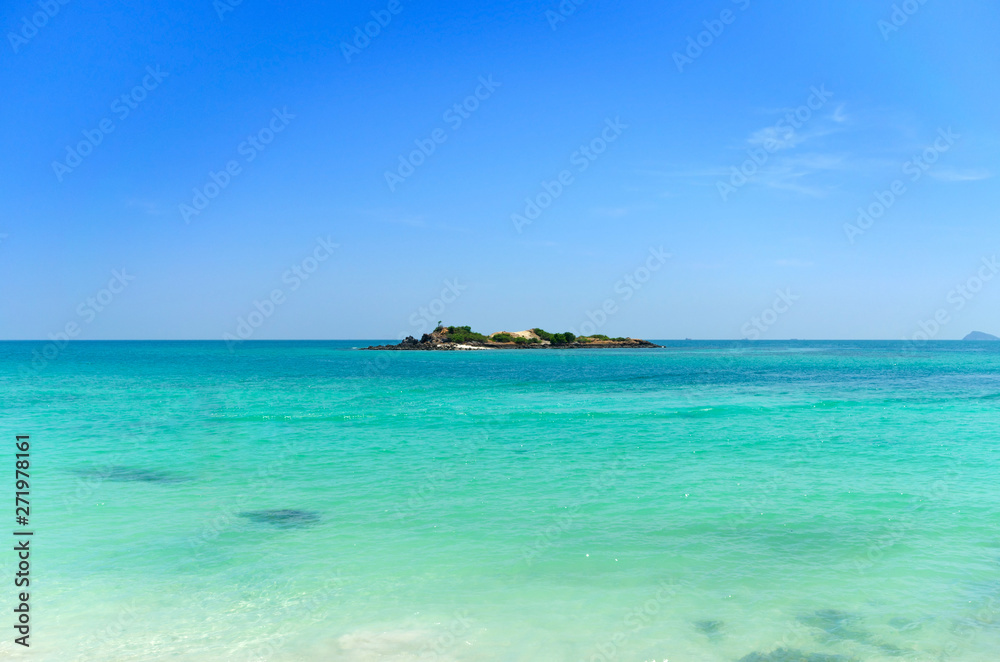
782,135
791,172
958,175
787,171
771,156
805,161
776,138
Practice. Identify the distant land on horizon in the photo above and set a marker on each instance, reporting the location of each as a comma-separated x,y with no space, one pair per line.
979,335
973,336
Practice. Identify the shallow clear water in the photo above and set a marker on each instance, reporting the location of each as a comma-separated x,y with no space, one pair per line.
300,501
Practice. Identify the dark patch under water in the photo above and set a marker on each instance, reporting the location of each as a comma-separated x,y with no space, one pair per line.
905,624
709,628
839,624
130,475
792,655
842,626
284,518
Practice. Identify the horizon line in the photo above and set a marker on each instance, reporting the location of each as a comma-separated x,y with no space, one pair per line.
262,340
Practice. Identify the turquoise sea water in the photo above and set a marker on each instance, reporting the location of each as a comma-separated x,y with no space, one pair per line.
706,501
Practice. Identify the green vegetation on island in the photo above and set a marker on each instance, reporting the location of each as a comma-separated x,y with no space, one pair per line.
462,334
463,337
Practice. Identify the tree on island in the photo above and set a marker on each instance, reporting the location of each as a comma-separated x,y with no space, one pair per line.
556,338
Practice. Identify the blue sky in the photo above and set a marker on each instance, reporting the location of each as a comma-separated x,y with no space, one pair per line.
643,125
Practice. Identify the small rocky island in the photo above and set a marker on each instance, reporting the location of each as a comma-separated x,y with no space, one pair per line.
458,338
979,335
